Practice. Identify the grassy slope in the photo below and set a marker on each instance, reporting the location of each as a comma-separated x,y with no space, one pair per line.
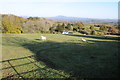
60,56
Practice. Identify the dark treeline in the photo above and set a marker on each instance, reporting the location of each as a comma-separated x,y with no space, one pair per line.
15,24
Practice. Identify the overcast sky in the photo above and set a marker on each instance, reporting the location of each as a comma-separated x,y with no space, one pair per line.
49,8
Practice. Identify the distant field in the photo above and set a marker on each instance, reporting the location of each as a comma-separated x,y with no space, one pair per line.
60,56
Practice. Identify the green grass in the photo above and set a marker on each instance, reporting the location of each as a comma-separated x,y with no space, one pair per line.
87,26
59,56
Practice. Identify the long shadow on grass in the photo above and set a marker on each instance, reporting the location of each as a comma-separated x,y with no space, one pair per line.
98,37
85,60
21,74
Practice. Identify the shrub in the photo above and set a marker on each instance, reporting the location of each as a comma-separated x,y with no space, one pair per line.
103,27
101,33
92,27
112,29
94,33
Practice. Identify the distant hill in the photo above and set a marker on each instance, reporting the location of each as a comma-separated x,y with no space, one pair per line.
84,20
25,16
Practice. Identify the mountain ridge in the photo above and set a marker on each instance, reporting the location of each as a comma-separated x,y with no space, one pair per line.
61,18
81,19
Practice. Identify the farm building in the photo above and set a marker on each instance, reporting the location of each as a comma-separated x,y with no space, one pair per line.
65,32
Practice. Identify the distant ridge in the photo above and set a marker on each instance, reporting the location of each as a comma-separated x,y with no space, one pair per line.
84,20
25,16
62,18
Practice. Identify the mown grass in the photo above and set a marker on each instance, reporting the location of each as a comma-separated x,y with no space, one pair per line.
60,56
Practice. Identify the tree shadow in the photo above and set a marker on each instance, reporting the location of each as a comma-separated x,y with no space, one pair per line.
19,75
98,37
83,60
13,67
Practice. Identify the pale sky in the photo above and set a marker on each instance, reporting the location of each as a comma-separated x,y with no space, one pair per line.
48,8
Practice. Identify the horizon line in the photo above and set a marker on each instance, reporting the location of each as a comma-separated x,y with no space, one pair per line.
57,16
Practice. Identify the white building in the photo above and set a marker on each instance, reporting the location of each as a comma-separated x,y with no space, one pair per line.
65,32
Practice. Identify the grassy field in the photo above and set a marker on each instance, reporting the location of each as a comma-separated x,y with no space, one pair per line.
60,56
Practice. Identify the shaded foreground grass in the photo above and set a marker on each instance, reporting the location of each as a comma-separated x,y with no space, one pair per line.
63,56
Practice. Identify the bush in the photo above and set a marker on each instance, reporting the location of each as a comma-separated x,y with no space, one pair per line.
101,33
94,33
11,24
92,27
103,27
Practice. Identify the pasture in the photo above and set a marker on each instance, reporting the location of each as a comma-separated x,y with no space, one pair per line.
60,56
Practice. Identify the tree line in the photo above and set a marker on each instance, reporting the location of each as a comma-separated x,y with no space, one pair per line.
15,24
